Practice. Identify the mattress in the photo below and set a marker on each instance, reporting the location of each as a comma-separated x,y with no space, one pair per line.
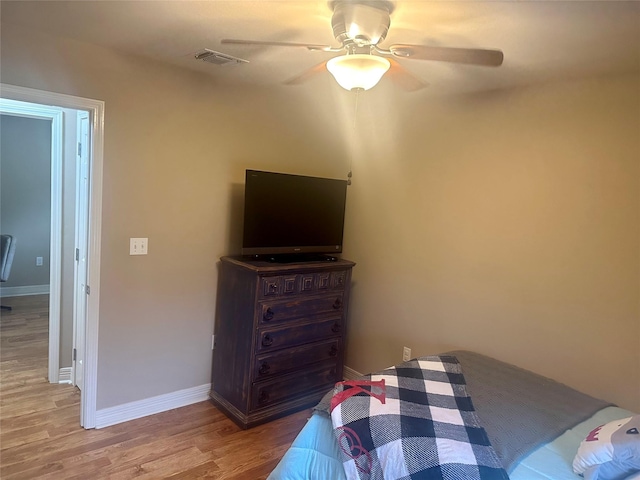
314,453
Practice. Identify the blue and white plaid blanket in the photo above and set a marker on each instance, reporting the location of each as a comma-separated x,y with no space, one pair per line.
412,421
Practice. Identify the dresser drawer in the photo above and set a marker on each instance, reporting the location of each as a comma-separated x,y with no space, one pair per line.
301,283
335,280
291,335
289,387
283,361
282,310
281,285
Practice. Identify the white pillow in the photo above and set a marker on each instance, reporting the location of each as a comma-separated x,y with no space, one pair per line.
611,451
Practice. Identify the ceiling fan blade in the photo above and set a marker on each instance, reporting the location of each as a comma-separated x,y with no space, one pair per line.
307,74
472,56
308,46
403,78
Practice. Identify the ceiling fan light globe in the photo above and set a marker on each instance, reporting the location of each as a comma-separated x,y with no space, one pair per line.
358,71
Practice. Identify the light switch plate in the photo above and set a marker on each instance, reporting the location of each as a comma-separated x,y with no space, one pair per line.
138,246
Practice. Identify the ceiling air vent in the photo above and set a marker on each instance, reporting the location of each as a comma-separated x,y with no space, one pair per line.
217,58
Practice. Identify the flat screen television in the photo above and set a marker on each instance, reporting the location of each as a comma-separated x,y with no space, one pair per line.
287,216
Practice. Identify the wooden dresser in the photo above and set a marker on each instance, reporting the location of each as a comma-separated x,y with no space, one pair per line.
279,336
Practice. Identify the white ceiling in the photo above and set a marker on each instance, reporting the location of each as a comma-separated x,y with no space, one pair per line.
541,40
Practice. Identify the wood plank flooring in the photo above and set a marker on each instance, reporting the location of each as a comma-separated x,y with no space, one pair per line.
41,437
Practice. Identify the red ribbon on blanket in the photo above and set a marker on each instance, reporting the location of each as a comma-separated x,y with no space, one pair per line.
356,388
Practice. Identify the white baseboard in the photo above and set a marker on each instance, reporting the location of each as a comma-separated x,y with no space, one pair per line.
150,406
24,290
350,374
161,403
65,375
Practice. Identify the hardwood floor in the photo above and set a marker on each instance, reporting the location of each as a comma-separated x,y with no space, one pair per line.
41,437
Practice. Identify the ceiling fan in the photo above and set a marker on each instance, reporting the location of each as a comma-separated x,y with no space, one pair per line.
360,26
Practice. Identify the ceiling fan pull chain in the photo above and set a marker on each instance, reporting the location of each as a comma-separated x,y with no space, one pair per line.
355,126
355,112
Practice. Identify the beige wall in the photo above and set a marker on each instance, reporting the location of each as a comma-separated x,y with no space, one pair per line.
176,147
507,223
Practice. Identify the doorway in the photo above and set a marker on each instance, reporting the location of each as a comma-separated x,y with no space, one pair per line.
86,286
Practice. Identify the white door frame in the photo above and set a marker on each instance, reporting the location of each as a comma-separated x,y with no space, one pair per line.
80,264
96,119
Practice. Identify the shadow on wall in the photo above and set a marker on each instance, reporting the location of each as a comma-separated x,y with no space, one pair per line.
235,220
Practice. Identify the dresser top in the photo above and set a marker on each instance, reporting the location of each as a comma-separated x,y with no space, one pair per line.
264,266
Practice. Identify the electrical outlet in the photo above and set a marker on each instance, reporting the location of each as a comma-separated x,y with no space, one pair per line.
39,261
406,354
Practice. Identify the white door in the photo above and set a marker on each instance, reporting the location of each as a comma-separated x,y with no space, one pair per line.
82,213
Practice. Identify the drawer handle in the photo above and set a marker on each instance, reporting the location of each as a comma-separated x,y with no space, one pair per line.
267,340
335,328
334,351
273,288
332,374
268,315
337,304
264,397
264,368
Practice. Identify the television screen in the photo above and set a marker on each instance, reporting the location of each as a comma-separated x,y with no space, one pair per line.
292,214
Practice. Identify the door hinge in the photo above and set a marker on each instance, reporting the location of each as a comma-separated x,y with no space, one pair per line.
79,149
77,254
87,289
75,354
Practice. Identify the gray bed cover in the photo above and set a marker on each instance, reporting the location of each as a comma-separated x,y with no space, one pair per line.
519,409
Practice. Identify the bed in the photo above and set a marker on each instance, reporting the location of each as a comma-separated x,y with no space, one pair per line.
535,427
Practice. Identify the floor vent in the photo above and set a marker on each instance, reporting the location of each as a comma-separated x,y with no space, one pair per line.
217,58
